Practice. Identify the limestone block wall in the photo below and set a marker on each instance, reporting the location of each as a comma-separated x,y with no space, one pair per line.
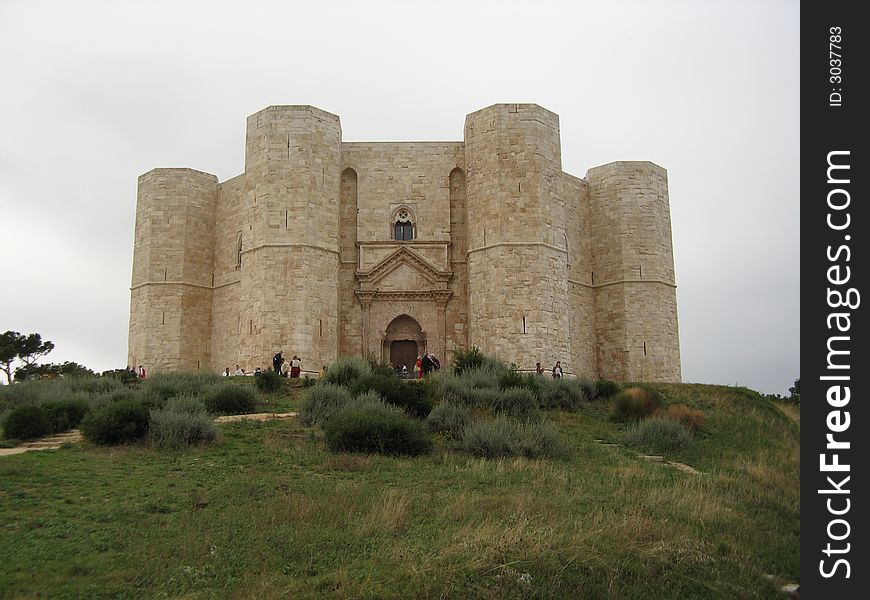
170,312
289,274
581,296
517,267
633,272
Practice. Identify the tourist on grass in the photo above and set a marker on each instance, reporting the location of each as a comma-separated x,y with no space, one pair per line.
557,370
295,367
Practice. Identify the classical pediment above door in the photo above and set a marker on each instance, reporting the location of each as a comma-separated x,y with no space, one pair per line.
403,270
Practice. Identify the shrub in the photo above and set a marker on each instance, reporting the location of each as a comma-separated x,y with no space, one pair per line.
501,437
27,422
410,396
116,423
268,382
691,419
167,385
229,399
346,370
190,404
321,401
179,424
658,435
376,429
449,418
473,358
635,403
308,382
66,414
516,402
566,394
606,388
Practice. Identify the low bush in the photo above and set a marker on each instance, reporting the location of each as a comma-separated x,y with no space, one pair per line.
516,402
658,435
166,385
268,382
116,423
321,401
567,394
66,414
180,424
690,418
27,422
376,429
191,404
308,382
501,437
410,396
635,403
449,418
606,388
464,360
346,370
229,399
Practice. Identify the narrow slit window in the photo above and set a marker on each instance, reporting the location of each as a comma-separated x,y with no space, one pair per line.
644,348
524,324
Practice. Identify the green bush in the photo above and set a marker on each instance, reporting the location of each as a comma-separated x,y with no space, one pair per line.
27,422
502,437
635,403
606,388
321,401
376,429
166,385
566,394
268,382
410,396
180,424
191,404
116,423
659,435
66,414
449,418
516,402
346,370
229,399
308,382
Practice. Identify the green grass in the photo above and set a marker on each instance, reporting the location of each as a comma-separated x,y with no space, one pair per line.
268,511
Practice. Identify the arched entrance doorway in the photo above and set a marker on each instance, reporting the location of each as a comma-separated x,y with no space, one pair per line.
404,340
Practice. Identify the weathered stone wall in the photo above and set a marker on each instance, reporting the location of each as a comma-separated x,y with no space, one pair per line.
581,297
633,266
170,311
517,261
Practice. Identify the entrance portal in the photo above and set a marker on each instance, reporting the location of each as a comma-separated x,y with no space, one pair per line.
403,352
404,340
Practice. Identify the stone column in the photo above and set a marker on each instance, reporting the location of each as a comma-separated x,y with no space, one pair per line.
366,301
441,303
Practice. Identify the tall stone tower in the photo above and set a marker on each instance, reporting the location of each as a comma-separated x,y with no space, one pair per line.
290,255
517,273
633,267
171,292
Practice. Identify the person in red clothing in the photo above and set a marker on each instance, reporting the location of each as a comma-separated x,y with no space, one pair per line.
418,368
141,372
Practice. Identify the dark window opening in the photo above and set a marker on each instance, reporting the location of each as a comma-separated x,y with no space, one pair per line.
403,231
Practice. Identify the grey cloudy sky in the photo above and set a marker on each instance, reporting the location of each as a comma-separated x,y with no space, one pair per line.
92,94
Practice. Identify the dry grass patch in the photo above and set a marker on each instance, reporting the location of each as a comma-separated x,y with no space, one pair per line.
348,462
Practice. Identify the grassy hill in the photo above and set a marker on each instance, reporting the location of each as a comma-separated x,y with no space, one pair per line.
269,512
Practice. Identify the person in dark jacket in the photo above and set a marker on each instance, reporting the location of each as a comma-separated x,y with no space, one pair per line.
277,361
427,364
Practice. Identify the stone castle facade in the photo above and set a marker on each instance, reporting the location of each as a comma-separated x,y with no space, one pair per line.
325,248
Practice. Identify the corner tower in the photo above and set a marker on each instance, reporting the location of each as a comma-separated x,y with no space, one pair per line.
170,299
633,273
517,264
290,237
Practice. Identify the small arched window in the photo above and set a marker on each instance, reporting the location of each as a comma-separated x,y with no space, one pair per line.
239,251
403,228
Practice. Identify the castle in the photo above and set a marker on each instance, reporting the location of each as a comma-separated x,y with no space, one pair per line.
325,248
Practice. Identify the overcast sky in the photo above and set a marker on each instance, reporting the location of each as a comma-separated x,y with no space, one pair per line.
92,94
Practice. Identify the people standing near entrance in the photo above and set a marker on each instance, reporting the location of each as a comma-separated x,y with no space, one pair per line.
557,370
277,361
141,372
426,364
539,369
295,367
285,368
418,368
436,364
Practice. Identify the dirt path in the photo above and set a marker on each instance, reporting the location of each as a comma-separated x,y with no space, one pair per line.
72,437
